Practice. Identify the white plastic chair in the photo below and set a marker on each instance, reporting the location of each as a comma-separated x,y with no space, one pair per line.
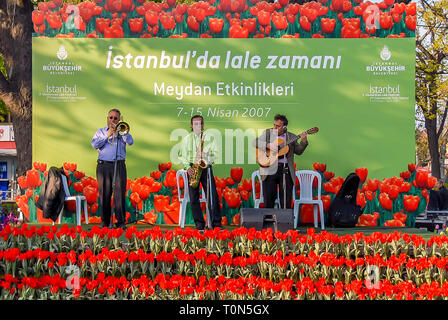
257,201
78,200
306,178
186,197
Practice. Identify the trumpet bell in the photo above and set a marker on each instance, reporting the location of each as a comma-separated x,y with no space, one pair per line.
123,128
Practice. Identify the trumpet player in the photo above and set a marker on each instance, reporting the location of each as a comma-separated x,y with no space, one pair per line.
111,146
196,154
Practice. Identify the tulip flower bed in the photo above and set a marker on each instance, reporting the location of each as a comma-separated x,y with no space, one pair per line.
224,19
150,199
392,202
71,263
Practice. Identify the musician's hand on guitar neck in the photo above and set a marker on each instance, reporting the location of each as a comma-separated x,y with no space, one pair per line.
303,137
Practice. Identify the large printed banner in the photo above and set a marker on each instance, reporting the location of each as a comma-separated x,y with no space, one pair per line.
358,92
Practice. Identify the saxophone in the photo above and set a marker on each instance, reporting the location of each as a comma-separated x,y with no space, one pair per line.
198,165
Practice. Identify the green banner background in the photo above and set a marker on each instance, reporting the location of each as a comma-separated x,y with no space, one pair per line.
359,126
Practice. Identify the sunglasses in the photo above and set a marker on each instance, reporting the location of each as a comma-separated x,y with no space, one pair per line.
113,118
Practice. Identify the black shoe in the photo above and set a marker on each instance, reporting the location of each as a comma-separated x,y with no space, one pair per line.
120,226
103,225
200,228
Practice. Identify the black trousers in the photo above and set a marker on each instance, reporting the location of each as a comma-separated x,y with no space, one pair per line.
273,181
215,208
105,175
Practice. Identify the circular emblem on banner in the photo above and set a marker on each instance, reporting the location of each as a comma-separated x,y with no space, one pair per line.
385,53
62,53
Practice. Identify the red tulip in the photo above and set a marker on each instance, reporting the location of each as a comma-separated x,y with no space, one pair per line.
90,193
136,25
411,167
236,173
192,23
114,31
102,24
32,178
328,175
305,23
161,203
386,21
411,9
405,175
411,22
326,199
393,223
38,17
411,203
167,21
385,201
360,199
94,208
405,187
78,186
328,25
420,178
250,24
152,18
54,20
394,191
372,185
279,21
431,182
362,174
264,18
144,192
165,166
401,216
135,199
215,25
245,195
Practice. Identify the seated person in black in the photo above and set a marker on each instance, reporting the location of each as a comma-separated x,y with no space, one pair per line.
438,197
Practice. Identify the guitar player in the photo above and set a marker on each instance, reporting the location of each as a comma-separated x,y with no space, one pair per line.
272,175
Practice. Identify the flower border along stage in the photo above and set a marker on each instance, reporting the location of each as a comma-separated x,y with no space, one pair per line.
69,263
224,19
153,199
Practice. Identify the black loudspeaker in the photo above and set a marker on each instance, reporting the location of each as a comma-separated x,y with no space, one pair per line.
262,218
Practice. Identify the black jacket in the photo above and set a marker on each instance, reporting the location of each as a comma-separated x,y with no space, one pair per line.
344,212
52,194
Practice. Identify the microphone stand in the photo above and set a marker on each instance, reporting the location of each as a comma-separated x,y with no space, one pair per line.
208,196
285,170
114,178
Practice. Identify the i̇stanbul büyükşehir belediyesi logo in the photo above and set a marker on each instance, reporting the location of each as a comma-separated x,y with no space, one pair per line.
386,66
63,66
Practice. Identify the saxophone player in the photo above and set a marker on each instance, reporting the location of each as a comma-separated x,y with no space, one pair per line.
196,155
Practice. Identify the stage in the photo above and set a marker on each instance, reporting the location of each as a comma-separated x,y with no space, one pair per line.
302,229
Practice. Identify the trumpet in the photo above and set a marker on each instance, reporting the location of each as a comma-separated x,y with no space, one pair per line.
122,128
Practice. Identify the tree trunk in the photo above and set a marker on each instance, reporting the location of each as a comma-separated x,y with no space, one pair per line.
433,145
15,89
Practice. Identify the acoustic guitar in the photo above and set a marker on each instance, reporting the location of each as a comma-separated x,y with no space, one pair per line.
266,158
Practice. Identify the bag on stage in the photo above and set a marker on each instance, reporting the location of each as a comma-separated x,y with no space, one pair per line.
344,212
52,194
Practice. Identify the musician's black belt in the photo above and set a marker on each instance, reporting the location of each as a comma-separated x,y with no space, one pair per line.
109,162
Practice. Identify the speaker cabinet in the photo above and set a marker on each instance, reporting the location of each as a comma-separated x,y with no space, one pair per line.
263,218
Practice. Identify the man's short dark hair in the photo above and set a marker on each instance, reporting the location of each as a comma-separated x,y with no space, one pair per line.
115,110
197,116
282,118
